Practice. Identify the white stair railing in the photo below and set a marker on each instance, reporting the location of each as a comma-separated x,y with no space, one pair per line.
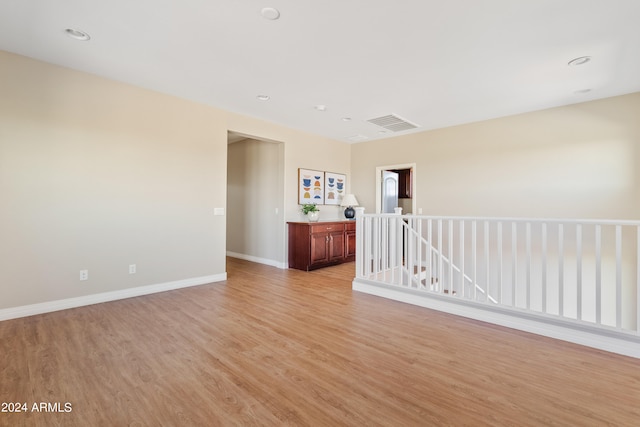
433,279
583,271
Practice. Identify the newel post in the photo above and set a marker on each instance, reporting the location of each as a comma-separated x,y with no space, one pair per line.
359,241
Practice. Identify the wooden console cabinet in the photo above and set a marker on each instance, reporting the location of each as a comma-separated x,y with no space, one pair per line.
320,244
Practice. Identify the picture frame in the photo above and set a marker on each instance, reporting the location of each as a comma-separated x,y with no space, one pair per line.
310,186
335,185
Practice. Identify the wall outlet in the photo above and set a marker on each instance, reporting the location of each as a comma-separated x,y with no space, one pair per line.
132,269
84,274
419,211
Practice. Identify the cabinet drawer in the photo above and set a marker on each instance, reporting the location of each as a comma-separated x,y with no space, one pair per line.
323,228
350,226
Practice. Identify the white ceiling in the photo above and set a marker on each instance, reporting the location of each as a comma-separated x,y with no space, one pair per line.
435,63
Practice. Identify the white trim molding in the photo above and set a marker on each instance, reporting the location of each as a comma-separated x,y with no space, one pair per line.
251,258
613,341
64,304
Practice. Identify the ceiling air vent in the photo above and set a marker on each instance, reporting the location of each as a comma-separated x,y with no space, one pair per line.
393,123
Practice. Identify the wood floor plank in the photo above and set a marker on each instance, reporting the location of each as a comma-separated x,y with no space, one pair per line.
272,347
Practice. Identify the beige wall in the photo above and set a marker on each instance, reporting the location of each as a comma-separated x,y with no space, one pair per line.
97,175
579,161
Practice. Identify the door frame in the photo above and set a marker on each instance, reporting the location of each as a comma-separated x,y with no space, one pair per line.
276,221
379,170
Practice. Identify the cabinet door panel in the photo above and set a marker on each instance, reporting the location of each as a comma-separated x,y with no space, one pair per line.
336,245
350,244
319,248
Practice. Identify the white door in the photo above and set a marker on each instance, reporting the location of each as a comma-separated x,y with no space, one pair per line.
389,191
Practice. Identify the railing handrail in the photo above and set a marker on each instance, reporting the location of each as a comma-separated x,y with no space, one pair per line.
515,219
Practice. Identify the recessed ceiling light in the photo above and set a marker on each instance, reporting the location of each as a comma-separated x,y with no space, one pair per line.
582,91
263,97
77,34
346,119
321,107
270,13
579,61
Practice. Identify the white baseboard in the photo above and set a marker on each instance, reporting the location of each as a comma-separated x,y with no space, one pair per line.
251,258
612,341
64,304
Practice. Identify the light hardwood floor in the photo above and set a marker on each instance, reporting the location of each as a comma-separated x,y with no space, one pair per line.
272,347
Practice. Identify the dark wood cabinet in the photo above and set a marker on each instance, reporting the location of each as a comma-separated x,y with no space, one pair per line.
405,190
320,244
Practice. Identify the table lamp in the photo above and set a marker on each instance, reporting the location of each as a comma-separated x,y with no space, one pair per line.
349,201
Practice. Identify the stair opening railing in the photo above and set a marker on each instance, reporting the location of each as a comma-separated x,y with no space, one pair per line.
578,270
435,265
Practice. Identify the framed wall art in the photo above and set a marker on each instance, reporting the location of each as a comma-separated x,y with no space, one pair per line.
310,187
335,187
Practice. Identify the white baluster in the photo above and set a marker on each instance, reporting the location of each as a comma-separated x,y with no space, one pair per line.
514,262
418,228
440,272
500,262
619,276
474,258
462,276
528,265
430,281
544,267
579,268
598,248
638,280
450,282
376,245
359,245
487,286
561,269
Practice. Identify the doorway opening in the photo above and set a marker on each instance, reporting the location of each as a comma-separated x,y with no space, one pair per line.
396,187
255,199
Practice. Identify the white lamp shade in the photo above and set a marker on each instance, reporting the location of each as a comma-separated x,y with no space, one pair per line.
349,200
